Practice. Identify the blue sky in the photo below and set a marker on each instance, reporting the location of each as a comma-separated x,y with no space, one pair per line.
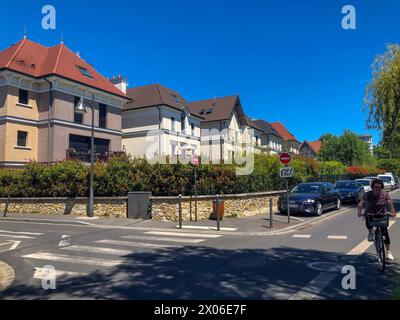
289,60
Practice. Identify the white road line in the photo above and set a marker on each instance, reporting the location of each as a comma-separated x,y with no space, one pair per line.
311,290
137,244
65,240
164,239
207,228
46,256
363,246
23,233
16,237
302,236
117,252
336,237
41,273
183,234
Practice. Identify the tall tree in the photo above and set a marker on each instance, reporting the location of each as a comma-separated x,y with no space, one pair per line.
382,98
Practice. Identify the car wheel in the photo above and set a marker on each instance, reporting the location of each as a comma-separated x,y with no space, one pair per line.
338,204
318,207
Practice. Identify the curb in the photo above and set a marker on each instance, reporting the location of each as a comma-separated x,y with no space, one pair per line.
7,275
50,221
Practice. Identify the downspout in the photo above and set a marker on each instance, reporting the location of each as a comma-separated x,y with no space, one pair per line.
49,121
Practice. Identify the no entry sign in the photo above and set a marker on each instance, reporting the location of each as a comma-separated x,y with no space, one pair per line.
285,158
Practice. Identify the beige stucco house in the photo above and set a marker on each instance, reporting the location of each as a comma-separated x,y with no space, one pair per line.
39,88
158,123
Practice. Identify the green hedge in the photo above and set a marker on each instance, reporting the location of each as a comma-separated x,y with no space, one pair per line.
122,174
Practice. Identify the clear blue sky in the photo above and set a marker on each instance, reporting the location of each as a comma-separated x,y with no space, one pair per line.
289,60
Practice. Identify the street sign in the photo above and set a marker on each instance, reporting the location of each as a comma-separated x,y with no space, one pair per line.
286,172
285,158
196,160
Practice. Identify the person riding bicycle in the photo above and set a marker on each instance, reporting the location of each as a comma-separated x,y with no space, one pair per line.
375,202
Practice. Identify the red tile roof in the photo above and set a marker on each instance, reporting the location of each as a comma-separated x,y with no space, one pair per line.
286,135
315,145
38,61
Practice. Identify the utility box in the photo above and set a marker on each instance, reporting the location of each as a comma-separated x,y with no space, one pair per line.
139,205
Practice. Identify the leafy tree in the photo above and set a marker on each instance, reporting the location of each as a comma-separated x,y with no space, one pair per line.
382,98
381,152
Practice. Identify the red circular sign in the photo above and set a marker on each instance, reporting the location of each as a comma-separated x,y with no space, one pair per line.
285,158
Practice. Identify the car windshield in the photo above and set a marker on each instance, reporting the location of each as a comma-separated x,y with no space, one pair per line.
385,179
346,184
365,182
307,188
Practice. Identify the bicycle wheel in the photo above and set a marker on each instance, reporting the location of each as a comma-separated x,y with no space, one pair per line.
380,250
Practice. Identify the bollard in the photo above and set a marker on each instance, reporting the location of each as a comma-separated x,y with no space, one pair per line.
180,211
217,213
6,208
270,214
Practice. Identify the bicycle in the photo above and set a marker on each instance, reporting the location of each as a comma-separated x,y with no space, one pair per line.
377,222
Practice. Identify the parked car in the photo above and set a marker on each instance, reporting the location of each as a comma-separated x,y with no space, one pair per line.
366,184
311,198
350,190
388,181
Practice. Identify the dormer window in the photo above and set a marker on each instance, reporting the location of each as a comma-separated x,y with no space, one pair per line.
206,111
177,99
84,72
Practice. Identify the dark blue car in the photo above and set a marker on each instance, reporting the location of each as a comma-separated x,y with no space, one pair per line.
351,191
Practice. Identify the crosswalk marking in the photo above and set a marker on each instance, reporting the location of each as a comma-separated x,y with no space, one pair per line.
16,237
118,252
337,237
73,259
164,239
182,234
137,244
302,236
23,233
207,228
41,273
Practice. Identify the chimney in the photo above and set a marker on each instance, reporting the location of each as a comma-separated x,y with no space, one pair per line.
120,83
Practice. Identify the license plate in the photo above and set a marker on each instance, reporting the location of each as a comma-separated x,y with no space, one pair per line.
293,206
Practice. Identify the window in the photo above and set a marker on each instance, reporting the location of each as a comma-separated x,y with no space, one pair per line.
102,115
23,96
183,122
177,99
173,124
206,111
22,138
85,72
78,118
192,128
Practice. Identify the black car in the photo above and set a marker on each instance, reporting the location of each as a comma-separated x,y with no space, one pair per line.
312,198
350,190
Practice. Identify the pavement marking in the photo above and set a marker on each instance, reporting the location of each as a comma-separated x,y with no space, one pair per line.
137,244
65,240
364,245
14,244
314,287
207,228
41,273
164,239
183,234
336,237
117,252
73,259
16,237
296,218
302,236
23,233
7,275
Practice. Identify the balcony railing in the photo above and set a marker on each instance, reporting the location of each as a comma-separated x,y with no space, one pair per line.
84,156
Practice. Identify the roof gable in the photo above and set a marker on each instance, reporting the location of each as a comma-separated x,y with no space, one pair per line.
286,135
267,128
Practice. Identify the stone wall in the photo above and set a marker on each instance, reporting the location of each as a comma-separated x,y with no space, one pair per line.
103,207
239,205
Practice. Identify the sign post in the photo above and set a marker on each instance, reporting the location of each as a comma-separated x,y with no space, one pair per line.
286,173
196,163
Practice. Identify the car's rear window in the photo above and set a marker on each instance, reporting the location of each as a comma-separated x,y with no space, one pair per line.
349,185
364,182
307,188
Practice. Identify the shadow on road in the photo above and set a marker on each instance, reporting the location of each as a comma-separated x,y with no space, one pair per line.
209,273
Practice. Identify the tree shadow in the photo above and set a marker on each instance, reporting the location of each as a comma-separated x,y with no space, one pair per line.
208,273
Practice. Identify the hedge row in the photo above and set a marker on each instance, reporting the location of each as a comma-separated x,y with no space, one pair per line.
122,174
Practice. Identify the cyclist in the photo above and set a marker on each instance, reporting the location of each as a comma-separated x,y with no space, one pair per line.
375,202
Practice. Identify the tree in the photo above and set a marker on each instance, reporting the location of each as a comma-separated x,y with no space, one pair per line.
347,149
381,152
382,98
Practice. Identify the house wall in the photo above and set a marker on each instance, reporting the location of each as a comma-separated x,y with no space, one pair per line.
18,154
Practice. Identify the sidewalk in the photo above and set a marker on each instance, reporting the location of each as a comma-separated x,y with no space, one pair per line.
254,225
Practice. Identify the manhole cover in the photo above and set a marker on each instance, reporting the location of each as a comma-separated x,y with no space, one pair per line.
247,263
325,266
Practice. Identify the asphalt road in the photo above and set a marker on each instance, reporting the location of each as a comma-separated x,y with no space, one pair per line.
99,263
